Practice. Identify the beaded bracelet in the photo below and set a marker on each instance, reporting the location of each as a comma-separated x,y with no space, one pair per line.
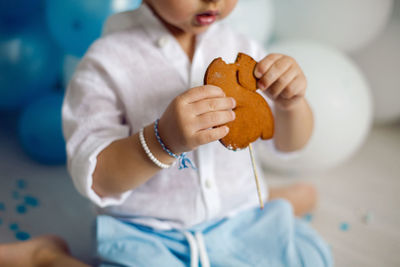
183,159
149,154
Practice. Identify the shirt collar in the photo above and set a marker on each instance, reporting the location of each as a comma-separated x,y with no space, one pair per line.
151,24
161,37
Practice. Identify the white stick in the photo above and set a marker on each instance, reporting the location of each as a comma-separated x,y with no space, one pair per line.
256,177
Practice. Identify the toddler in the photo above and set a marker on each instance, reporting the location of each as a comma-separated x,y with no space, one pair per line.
137,104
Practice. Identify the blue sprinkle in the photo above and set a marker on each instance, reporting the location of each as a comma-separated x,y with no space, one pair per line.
367,218
31,201
1,221
2,206
14,227
344,226
21,184
308,217
15,195
22,236
21,209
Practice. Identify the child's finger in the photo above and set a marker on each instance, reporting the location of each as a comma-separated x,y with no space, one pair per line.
274,72
213,104
295,87
197,93
212,119
265,64
282,82
211,135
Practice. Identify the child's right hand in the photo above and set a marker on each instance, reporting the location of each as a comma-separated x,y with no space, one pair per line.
194,118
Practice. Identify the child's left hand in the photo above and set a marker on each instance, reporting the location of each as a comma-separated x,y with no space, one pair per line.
282,79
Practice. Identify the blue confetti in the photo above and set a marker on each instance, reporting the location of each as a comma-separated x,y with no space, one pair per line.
368,217
14,227
21,184
21,209
15,195
308,217
22,236
344,226
2,206
31,201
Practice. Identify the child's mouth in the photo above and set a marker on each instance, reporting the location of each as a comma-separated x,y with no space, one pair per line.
206,18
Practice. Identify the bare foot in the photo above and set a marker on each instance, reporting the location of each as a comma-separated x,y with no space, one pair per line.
38,251
302,196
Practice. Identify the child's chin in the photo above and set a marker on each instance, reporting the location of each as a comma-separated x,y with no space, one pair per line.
198,29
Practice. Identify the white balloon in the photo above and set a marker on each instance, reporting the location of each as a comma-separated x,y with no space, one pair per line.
340,99
345,24
253,18
380,62
397,10
69,66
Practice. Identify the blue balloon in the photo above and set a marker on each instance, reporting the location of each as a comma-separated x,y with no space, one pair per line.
30,64
40,130
17,12
75,24
9,122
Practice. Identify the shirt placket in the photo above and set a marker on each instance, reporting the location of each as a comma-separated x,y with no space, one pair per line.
205,153
208,186
175,55
192,75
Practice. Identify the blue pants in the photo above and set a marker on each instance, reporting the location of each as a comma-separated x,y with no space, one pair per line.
269,237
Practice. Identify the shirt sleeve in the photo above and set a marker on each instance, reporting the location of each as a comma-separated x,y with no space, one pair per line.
92,119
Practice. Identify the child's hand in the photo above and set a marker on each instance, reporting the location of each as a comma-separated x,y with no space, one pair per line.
192,118
282,79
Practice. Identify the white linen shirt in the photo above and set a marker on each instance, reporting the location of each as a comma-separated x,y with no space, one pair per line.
124,82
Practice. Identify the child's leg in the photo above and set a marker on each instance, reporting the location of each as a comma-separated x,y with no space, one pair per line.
40,251
268,237
302,196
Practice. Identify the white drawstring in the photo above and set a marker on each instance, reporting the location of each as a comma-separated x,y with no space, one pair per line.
197,245
194,257
205,262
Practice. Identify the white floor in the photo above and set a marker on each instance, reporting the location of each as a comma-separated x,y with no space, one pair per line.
367,184
61,209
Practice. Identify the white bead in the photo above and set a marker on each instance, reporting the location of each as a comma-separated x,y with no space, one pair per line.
149,154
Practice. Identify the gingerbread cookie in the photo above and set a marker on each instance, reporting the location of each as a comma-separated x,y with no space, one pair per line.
253,115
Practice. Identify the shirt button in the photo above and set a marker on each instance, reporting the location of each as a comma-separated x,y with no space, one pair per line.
162,41
208,183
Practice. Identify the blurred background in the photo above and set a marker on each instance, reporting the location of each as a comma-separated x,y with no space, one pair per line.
349,51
